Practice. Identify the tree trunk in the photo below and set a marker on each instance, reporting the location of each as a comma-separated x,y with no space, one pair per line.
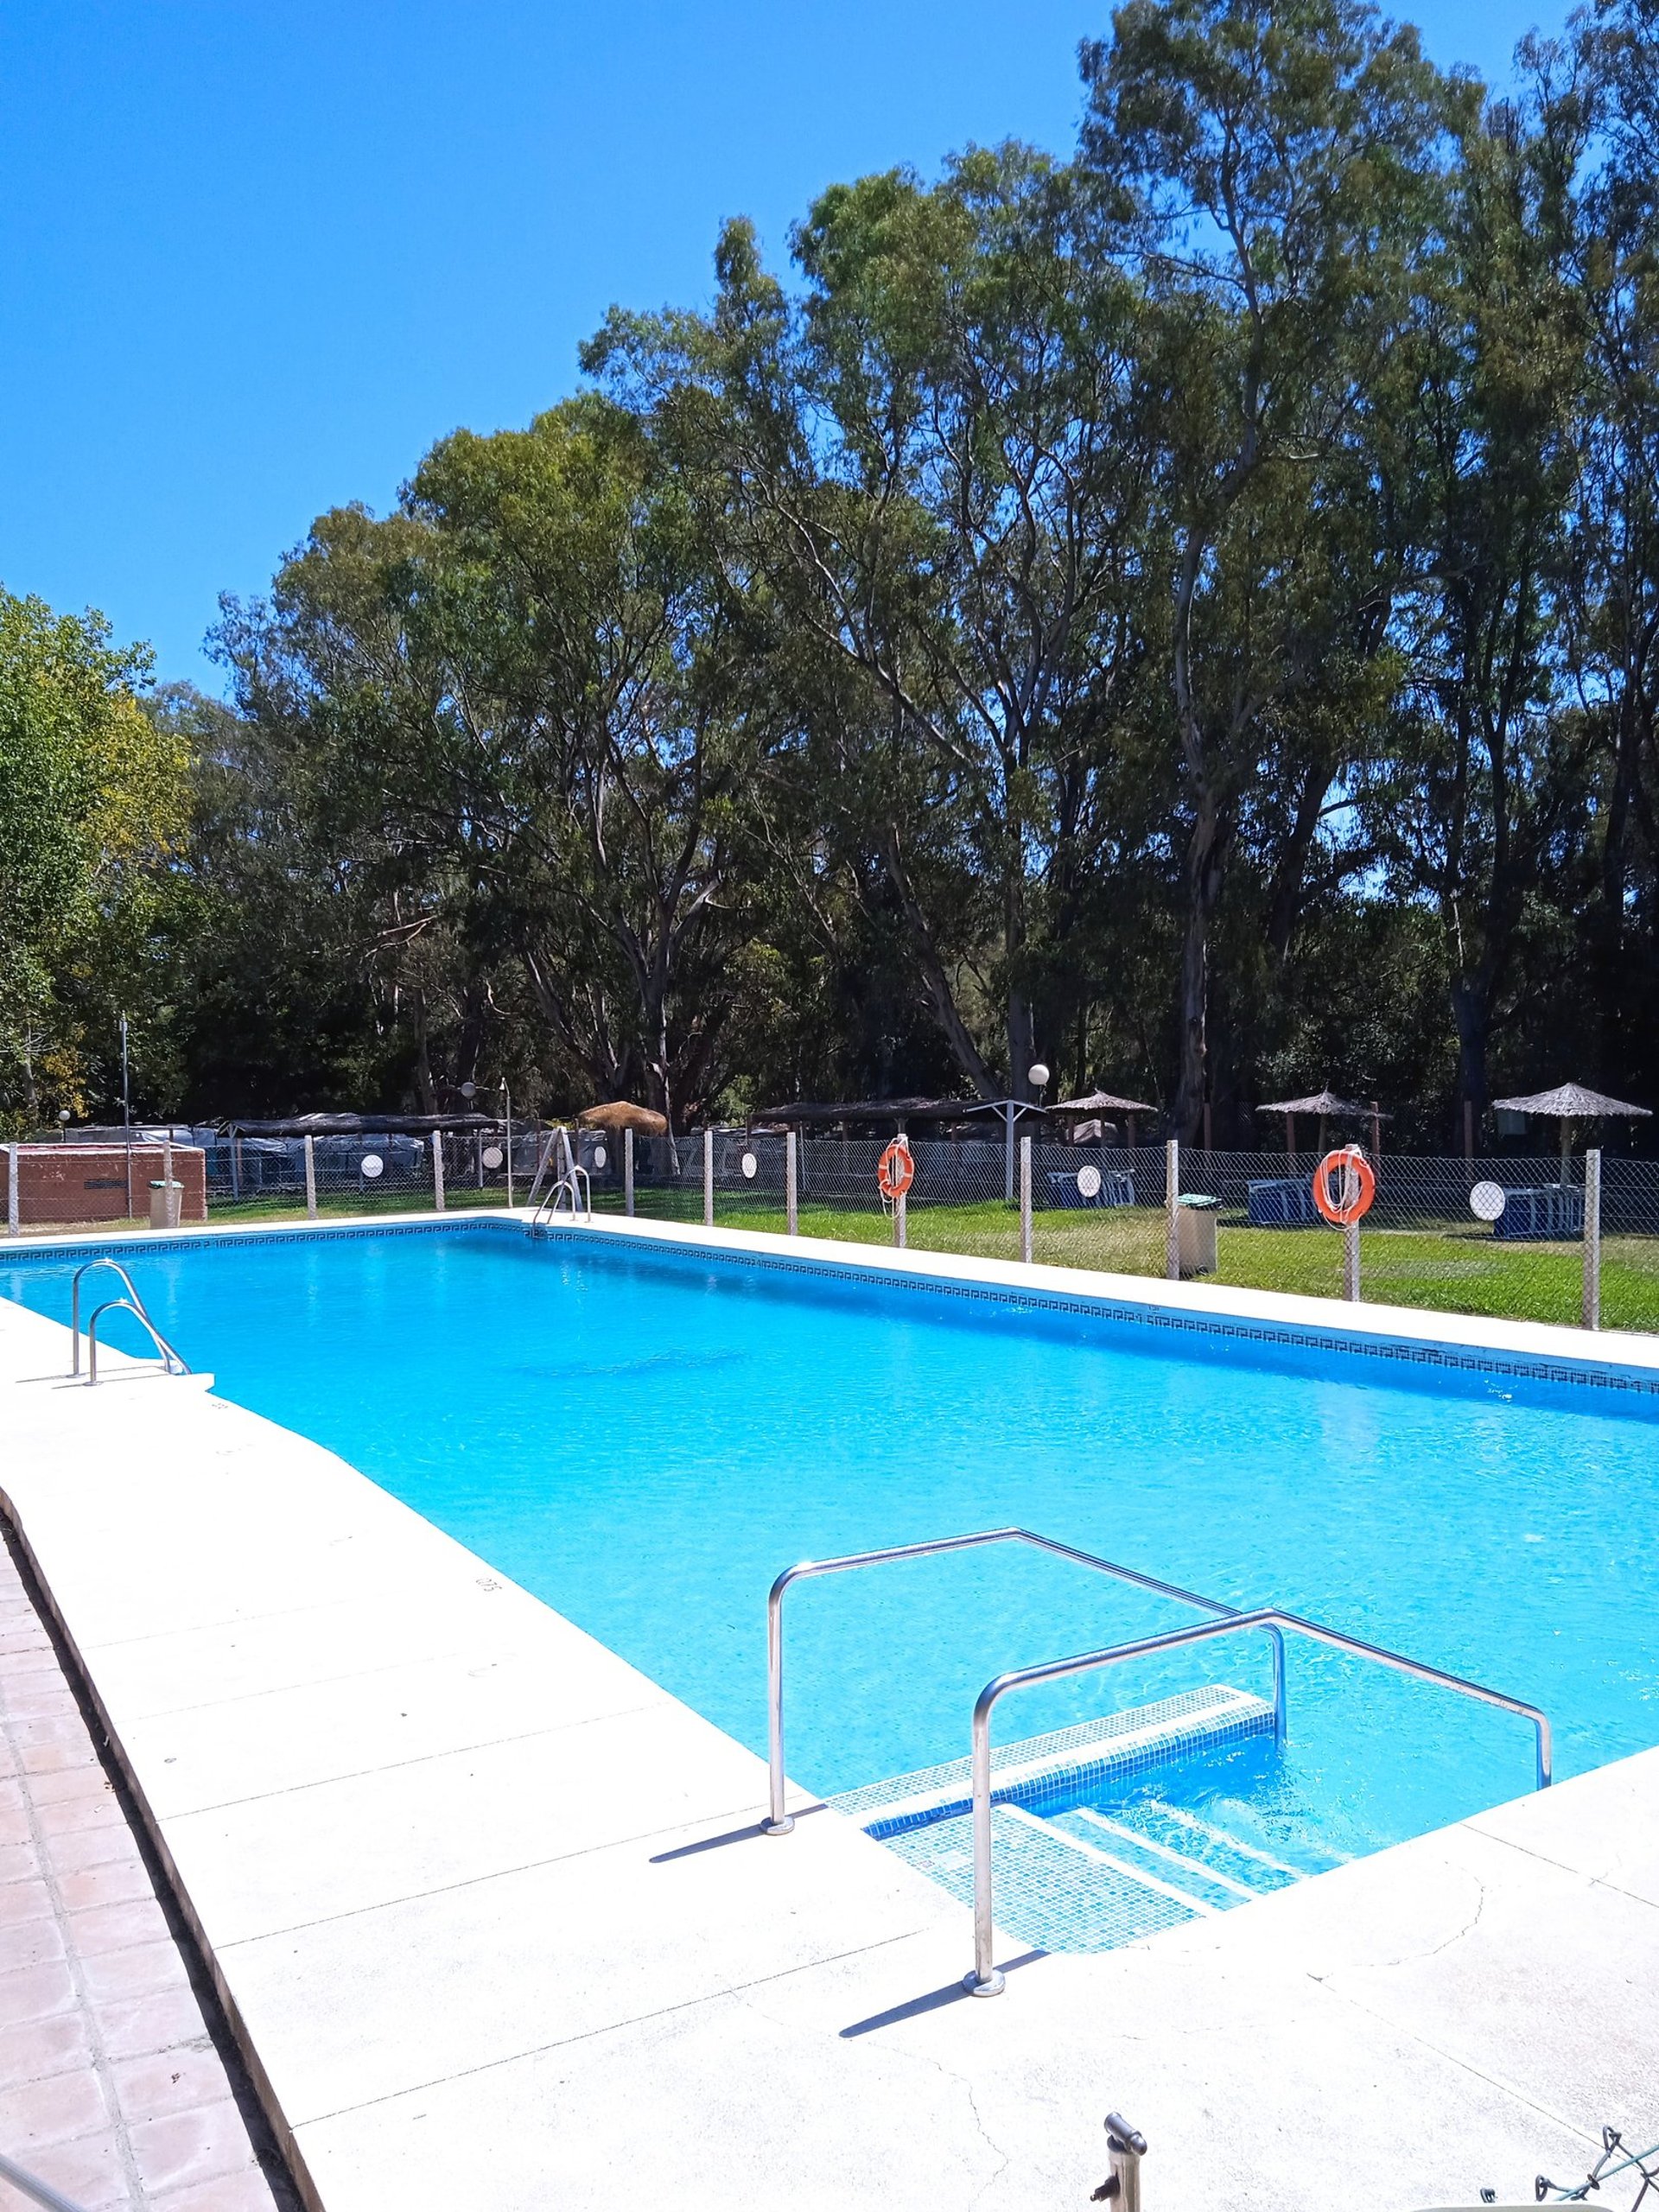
1205,864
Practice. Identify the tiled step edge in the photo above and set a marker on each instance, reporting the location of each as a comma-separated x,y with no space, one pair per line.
1068,1763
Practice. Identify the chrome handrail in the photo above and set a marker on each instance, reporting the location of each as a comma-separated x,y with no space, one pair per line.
171,1363
781,1822
42,2192
986,1980
85,1268
567,1187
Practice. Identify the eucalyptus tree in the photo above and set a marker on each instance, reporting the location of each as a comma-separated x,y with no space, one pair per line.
1285,161
931,458
1481,811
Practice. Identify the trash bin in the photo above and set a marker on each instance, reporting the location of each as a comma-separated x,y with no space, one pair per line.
1199,1219
164,1204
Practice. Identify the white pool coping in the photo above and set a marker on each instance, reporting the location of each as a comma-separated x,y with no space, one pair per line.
442,1850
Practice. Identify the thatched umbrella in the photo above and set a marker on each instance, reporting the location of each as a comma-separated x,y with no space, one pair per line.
619,1115
1102,1102
1326,1104
1569,1103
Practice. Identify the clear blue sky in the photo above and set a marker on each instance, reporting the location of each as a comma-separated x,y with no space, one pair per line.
254,259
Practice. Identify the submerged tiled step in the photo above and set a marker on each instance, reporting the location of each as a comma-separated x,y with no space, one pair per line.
1082,1858
1068,1764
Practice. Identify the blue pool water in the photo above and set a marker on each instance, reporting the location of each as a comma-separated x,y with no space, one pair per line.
645,1440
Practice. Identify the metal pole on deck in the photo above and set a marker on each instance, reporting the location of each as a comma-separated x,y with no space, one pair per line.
507,1099
1024,1200
707,1178
791,1191
126,1111
627,1173
1008,1150
310,1178
1172,1210
437,1171
1592,1240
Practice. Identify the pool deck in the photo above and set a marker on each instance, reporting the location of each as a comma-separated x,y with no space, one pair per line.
492,1922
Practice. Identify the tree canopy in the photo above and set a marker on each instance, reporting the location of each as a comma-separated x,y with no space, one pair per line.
1185,609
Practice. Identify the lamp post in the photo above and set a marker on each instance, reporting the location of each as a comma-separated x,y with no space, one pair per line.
506,1116
126,1111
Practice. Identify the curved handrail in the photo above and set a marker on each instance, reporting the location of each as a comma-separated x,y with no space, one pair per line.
85,1268
567,1187
985,1980
38,2191
781,1822
171,1362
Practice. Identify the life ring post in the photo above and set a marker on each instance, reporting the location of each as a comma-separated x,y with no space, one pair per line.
895,1173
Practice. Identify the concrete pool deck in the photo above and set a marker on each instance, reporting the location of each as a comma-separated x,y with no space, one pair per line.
490,1917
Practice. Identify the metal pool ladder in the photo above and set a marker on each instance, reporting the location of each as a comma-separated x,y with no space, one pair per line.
986,1980
576,1185
172,1364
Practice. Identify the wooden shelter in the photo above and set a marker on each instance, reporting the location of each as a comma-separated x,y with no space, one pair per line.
619,1115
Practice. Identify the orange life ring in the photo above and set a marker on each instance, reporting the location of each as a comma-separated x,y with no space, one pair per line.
897,1170
1359,1186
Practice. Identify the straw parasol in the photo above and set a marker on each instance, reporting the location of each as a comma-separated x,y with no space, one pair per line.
619,1115
1103,1101
1326,1104
1569,1103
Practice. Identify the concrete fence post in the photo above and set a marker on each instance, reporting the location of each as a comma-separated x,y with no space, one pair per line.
1024,1200
1350,1261
437,1171
1592,1240
1172,1209
900,1222
310,1178
707,1178
627,1173
792,1187
14,1208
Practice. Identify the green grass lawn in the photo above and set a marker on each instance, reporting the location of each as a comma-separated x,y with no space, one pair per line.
1459,1268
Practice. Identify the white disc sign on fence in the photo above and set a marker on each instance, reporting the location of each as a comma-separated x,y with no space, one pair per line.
493,1156
1488,1200
599,1155
751,1167
374,1166
1089,1182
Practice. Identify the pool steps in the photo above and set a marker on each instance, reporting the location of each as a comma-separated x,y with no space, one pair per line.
1067,1764
1071,1875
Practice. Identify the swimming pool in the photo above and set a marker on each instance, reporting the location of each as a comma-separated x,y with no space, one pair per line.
644,1435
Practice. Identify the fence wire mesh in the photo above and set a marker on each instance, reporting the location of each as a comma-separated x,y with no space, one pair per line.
1519,1236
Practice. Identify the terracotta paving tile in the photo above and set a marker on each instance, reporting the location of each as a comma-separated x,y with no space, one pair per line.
191,2147
58,1755
80,1798
55,2109
90,2170
179,2080
110,2087
135,2027
36,1943
22,1902
120,1881
247,2191
138,1970
115,1927
69,1783
38,2048
35,1992
107,1843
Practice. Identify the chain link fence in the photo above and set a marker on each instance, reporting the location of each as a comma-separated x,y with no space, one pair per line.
1570,1240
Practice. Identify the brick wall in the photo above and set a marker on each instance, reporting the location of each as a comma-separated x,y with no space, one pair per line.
80,1182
